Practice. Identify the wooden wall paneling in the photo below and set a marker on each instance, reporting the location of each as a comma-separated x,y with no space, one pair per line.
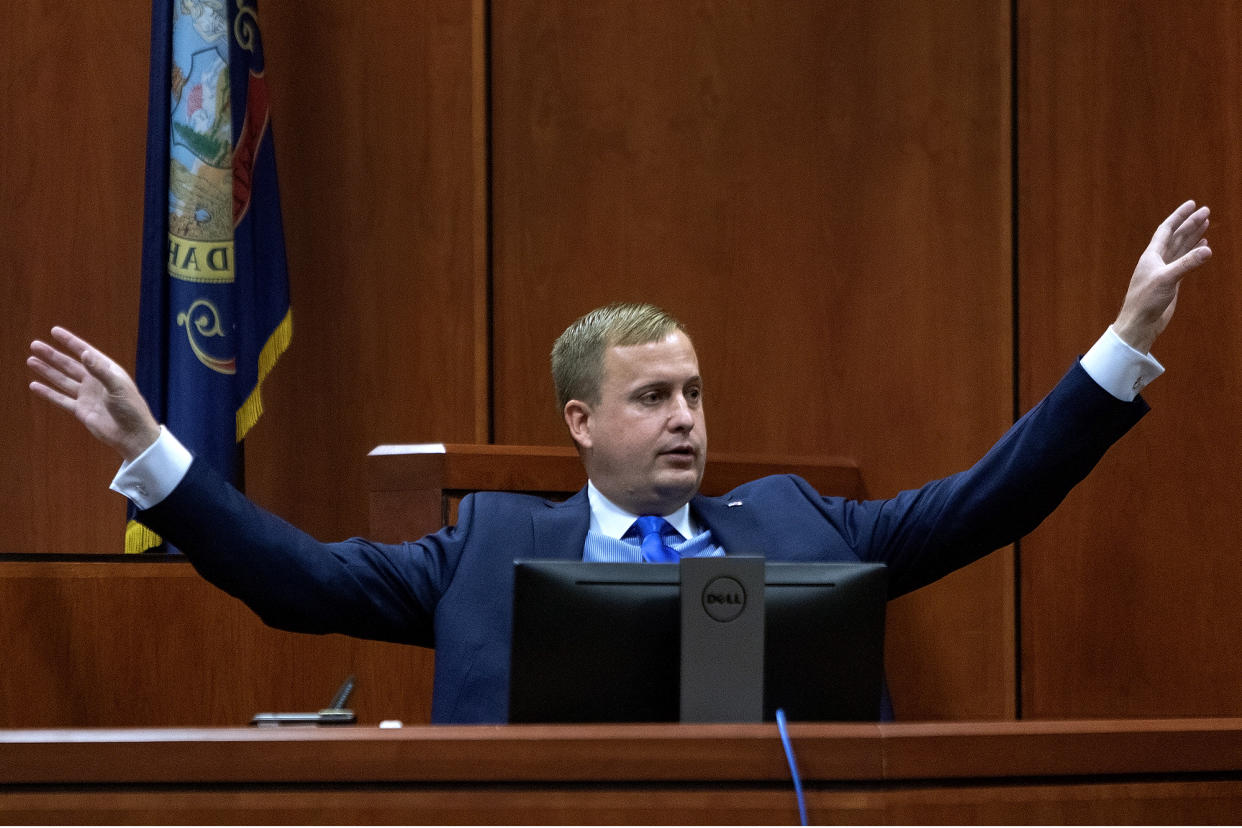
71,162
820,191
378,131
152,644
376,120
1129,592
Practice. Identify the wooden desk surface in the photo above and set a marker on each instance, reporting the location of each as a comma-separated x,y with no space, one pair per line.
1084,771
622,753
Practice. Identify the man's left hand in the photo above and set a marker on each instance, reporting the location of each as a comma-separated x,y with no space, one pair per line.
1177,248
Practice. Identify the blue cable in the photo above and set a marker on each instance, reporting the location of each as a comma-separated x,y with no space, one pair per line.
793,763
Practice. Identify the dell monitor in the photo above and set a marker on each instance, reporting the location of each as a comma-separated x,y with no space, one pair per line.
595,642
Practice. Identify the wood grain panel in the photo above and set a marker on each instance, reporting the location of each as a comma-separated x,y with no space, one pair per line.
1156,803
379,143
1129,592
820,191
71,162
146,643
374,110
378,125
1171,772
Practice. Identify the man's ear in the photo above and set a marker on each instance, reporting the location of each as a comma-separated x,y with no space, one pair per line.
578,419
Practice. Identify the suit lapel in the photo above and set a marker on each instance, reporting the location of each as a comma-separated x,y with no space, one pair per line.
733,524
559,531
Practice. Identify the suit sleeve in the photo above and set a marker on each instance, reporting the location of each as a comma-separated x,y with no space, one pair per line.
296,583
924,534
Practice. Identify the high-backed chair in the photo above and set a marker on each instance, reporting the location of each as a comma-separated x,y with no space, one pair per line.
414,489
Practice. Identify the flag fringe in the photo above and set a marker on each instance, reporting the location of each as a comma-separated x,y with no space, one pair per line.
276,345
139,538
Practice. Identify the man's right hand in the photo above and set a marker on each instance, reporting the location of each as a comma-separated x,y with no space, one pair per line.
89,385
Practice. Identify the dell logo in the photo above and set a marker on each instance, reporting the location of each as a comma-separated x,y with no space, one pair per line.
724,598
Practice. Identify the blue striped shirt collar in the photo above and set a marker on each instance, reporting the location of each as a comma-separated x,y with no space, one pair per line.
609,519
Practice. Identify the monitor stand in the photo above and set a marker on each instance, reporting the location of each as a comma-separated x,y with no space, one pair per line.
722,639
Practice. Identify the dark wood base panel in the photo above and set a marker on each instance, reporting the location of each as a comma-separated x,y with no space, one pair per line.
1161,771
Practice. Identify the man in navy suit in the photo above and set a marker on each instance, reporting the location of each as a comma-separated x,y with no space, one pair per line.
628,382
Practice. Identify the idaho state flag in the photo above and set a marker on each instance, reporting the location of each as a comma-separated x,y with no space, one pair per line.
214,315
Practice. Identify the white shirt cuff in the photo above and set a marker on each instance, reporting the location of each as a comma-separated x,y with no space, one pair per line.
1119,369
151,476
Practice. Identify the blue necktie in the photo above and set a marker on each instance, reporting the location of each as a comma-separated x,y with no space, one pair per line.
651,531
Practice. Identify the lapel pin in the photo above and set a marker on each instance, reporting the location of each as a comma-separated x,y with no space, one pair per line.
733,503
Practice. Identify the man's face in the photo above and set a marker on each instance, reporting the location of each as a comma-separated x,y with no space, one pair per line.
644,442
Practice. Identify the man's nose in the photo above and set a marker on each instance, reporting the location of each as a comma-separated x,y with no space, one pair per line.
681,418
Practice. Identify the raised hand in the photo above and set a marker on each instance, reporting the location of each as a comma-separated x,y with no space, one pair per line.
99,393
1176,248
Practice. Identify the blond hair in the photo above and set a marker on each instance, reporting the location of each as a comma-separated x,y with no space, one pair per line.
578,353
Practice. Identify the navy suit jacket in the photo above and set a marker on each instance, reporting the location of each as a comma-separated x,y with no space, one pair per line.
452,590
